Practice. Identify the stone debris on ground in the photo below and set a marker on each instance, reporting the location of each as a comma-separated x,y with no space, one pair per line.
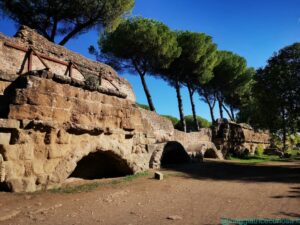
158,176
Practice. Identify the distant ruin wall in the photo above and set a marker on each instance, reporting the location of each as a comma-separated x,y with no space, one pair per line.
238,139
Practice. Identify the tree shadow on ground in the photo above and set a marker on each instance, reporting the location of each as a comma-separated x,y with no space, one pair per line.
226,170
295,215
294,192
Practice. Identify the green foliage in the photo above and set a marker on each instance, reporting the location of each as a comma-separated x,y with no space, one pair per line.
256,159
67,18
194,65
239,93
294,140
230,67
140,45
197,58
260,150
275,101
190,125
229,84
143,44
143,106
173,119
94,185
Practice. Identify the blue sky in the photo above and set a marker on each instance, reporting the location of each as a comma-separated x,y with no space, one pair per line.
254,29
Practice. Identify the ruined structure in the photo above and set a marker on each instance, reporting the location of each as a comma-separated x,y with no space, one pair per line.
62,115
238,139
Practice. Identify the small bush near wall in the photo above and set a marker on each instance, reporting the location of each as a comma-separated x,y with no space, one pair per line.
143,106
259,150
173,119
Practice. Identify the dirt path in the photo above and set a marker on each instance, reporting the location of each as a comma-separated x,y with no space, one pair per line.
191,194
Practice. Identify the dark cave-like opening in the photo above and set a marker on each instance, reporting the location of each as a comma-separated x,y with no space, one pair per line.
174,153
4,187
101,164
210,154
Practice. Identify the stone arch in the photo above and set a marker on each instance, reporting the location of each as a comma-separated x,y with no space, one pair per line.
168,153
68,164
210,153
101,164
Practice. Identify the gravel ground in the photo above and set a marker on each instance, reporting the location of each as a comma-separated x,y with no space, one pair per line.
201,193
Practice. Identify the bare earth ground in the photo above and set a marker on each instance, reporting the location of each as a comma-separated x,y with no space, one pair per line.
199,193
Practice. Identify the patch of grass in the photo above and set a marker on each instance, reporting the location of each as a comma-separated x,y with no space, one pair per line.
257,159
76,188
135,176
93,185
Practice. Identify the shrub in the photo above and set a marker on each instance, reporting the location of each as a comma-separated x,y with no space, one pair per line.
173,119
259,150
190,126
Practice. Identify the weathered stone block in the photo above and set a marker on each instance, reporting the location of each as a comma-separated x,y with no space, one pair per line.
9,123
158,176
26,151
38,166
55,152
10,152
29,184
16,184
62,137
5,138
50,165
14,169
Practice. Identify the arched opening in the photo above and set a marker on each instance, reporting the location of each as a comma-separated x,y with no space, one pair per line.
4,187
210,154
101,164
174,153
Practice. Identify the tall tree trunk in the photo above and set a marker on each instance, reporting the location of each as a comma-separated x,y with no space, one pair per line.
283,130
147,92
232,113
180,106
193,107
227,111
78,28
211,109
53,32
220,101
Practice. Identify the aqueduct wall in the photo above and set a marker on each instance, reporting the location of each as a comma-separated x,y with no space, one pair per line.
54,123
52,119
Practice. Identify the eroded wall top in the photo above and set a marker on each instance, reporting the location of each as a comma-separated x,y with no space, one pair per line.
14,61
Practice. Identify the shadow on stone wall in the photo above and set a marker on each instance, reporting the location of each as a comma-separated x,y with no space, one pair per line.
173,153
101,164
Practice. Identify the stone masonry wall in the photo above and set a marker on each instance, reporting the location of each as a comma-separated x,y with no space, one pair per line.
51,126
238,139
49,121
13,61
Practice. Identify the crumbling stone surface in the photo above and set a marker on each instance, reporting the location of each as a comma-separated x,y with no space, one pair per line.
13,62
53,125
238,139
51,122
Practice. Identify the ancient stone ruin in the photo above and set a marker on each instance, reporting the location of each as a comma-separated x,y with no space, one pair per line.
63,116
238,139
